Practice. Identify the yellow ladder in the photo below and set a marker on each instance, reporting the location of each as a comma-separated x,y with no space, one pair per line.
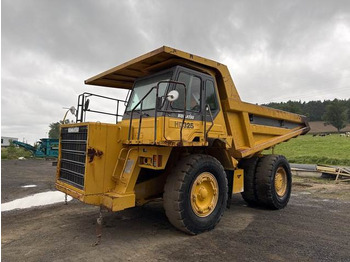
125,165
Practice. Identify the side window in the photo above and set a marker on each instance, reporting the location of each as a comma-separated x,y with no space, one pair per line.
193,99
210,98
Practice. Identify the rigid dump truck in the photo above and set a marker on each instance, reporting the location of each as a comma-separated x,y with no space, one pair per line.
185,136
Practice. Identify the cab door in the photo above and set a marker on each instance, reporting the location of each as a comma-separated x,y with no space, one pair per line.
212,113
185,122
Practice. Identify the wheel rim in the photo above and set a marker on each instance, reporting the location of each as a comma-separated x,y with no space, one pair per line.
204,194
281,182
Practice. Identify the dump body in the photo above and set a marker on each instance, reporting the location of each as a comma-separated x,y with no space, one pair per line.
247,128
126,164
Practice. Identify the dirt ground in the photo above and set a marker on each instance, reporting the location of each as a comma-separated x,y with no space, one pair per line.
313,227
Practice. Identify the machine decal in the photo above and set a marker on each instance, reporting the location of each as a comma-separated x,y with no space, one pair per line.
186,125
73,129
187,116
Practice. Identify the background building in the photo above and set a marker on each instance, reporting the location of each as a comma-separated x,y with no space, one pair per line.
5,140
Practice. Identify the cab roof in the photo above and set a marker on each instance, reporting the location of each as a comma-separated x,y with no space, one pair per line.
124,75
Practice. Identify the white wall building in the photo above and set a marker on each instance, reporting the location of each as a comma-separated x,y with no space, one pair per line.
5,140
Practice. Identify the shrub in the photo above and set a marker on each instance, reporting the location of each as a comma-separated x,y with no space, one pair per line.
13,152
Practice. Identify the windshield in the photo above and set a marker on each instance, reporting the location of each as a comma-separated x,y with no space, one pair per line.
143,86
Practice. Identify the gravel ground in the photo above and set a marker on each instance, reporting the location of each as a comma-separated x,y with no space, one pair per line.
18,173
313,227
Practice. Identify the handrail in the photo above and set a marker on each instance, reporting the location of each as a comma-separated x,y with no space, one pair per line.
206,132
132,111
81,110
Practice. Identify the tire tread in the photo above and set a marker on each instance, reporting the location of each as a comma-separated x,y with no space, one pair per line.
264,180
249,166
173,191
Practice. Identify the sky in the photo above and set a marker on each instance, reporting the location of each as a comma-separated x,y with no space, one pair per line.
275,50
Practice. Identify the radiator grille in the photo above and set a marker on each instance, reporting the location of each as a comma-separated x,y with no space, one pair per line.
73,155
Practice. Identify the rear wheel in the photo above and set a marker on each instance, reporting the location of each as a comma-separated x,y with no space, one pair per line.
273,181
249,194
195,194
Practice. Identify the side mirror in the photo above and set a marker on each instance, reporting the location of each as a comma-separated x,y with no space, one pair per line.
172,96
86,105
72,110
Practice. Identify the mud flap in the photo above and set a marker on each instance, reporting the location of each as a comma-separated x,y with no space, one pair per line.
238,181
229,175
235,180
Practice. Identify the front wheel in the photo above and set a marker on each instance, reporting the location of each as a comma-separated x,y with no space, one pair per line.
195,194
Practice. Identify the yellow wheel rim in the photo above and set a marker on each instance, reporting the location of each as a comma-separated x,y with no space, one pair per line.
281,182
204,194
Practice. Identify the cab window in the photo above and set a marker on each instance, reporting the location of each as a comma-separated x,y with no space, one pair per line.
210,96
193,99
143,86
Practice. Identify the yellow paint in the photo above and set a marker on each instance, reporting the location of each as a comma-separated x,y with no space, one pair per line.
238,181
117,202
168,131
160,59
204,194
148,189
110,178
281,182
157,156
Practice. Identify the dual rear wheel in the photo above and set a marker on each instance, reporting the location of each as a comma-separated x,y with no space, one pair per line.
267,181
196,190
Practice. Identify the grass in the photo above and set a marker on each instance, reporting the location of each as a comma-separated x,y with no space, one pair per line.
14,153
329,150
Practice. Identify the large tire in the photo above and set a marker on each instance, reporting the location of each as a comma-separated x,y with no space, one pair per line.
195,194
273,181
249,194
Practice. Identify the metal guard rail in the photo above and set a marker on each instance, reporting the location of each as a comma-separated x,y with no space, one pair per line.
83,103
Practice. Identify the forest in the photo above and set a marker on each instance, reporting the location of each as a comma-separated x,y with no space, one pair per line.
335,112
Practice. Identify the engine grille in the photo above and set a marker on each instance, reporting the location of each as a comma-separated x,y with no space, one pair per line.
73,155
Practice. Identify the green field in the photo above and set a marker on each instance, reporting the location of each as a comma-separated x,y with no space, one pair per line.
330,150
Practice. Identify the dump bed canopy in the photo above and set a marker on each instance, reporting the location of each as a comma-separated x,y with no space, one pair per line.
124,75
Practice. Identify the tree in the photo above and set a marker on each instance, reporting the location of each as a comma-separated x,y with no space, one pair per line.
55,128
293,107
290,106
347,105
315,110
336,114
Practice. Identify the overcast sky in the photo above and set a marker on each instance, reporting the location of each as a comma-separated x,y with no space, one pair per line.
275,50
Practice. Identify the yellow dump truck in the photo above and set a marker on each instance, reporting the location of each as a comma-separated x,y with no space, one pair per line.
185,136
